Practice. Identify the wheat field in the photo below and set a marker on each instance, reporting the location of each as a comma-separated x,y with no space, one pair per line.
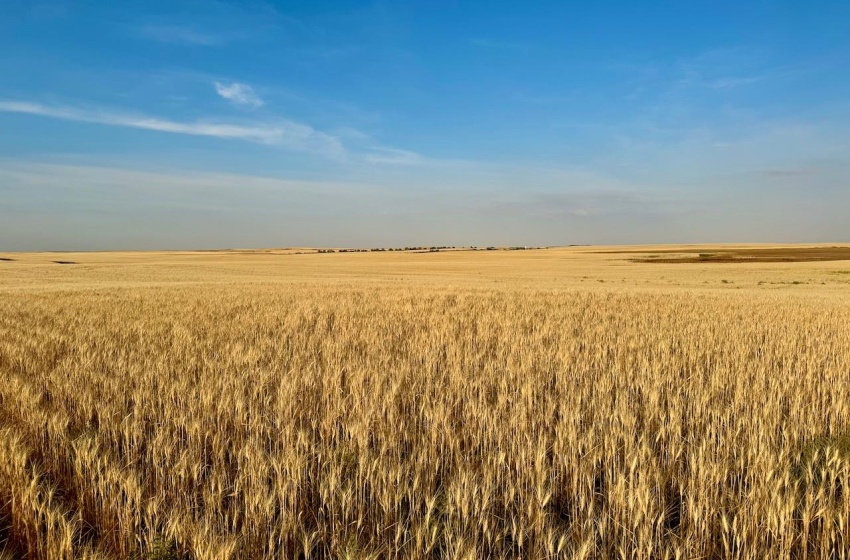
551,403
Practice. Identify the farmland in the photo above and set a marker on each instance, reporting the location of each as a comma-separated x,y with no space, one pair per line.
549,403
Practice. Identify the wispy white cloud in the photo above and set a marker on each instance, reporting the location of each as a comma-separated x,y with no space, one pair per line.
347,144
239,94
728,82
393,156
287,134
499,45
181,34
211,24
724,68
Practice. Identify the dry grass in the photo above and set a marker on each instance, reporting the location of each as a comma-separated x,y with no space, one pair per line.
541,404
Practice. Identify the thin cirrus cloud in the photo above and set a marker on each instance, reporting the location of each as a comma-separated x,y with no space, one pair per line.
288,134
393,156
239,94
499,45
181,35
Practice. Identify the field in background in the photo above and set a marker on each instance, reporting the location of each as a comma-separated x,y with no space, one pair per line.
743,255
546,403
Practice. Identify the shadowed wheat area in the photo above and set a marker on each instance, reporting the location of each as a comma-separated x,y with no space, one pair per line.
544,404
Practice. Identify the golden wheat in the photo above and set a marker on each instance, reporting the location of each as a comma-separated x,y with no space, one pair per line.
471,406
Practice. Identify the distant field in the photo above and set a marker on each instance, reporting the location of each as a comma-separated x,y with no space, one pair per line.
547,403
752,255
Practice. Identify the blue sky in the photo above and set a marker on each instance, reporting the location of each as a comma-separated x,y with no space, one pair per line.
196,124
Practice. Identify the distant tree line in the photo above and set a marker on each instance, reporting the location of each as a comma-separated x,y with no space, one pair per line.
423,249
